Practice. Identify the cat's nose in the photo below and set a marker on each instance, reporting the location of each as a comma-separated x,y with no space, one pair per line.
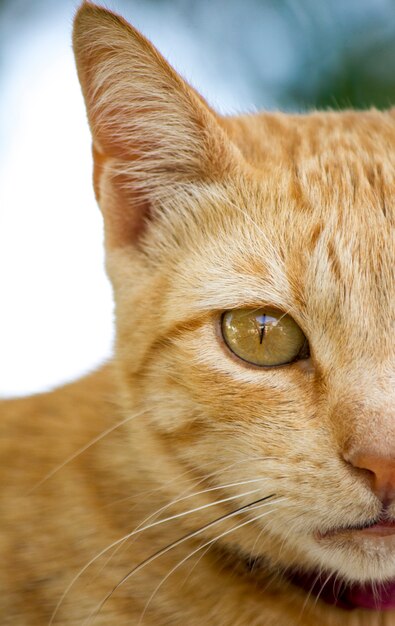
381,471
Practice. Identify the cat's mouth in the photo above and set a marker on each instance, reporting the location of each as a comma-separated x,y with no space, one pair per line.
382,527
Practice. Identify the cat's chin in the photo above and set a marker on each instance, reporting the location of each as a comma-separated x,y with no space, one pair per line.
349,567
362,567
370,548
360,554
356,567
355,551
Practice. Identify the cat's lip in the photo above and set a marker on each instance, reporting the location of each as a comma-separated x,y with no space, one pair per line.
381,528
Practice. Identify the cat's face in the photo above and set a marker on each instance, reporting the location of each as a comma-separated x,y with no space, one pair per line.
262,213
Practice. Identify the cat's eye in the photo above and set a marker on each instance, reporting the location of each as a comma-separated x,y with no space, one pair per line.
264,337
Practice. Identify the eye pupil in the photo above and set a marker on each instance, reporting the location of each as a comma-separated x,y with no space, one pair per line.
265,337
263,329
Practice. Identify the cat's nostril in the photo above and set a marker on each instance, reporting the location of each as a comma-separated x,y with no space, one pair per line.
379,468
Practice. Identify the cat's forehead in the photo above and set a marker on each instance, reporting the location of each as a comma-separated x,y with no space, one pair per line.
315,140
328,191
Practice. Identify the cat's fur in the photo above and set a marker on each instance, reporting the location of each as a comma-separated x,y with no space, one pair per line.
202,214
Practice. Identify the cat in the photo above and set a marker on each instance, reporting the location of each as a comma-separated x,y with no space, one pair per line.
233,464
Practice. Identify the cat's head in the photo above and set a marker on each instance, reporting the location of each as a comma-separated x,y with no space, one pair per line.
252,260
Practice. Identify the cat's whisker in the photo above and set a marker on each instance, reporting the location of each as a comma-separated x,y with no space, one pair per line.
188,479
173,502
205,545
201,556
156,513
182,498
185,495
274,574
84,448
177,542
341,586
256,541
177,501
327,579
139,530
308,596
278,573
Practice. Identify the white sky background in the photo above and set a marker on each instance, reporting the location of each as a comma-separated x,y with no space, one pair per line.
56,304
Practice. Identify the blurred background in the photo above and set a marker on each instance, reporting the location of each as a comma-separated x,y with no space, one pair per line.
56,318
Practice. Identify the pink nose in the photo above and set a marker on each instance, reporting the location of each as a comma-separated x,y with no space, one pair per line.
381,470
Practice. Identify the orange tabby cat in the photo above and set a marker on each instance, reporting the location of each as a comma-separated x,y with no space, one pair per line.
234,465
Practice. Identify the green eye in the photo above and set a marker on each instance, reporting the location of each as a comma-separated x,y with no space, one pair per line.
264,337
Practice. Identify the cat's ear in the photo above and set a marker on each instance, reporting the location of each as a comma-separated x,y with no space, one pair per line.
151,130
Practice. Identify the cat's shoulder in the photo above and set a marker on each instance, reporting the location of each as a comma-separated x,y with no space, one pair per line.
40,429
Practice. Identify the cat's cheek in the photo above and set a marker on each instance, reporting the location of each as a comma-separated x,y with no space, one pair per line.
196,382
